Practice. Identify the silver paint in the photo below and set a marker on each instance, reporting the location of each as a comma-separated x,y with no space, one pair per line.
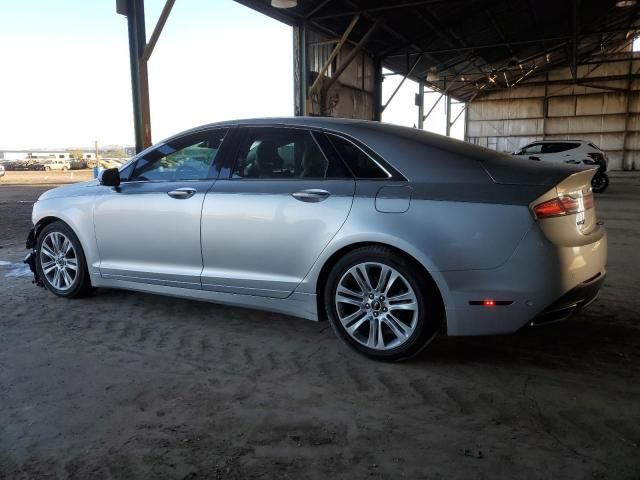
263,243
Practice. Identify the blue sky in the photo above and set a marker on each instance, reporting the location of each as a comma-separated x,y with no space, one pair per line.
65,71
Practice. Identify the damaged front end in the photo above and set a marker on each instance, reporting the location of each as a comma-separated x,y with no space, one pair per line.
30,259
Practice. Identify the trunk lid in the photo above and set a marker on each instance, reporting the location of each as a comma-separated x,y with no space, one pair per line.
513,170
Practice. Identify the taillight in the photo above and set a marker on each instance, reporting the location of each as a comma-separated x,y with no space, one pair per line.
563,205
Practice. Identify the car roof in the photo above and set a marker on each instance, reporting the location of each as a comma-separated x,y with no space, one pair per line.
570,140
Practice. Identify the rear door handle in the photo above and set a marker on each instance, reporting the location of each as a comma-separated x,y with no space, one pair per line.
312,195
182,193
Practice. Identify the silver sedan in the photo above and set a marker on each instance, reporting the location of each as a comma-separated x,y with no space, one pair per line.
389,232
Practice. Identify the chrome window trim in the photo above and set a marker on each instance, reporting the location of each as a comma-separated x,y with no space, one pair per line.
390,176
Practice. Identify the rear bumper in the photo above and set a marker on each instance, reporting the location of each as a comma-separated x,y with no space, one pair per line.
541,282
571,302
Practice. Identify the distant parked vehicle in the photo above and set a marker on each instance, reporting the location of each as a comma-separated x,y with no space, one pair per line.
56,164
22,166
571,151
77,164
1,171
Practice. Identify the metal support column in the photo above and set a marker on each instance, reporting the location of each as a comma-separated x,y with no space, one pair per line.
137,42
377,90
448,109
420,102
300,69
139,53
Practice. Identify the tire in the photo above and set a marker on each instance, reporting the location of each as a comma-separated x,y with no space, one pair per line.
55,269
48,169
389,329
599,182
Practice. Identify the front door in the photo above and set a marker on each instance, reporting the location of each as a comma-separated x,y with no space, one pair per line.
264,225
148,230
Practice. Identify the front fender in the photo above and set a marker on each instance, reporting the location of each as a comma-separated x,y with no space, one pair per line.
77,213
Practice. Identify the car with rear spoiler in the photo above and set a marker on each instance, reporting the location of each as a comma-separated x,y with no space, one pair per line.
391,233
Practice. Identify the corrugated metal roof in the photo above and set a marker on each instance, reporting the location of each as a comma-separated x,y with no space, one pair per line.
476,46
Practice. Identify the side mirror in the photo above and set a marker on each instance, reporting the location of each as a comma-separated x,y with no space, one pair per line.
110,178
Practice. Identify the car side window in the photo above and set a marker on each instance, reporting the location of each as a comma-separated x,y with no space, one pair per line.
186,158
283,153
361,163
557,147
531,149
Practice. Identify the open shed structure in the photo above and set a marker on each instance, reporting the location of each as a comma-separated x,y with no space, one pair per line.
525,69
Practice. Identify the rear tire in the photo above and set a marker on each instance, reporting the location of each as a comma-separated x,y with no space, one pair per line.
60,261
381,305
599,182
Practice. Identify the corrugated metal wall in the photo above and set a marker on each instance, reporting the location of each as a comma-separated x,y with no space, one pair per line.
353,95
550,107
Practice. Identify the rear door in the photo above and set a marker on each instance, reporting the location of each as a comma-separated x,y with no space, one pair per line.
148,230
281,203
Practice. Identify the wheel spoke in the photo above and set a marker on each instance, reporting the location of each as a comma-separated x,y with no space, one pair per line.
357,324
359,280
47,251
49,268
67,278
348,320
66,246
401,297
385,273
72,264
398,328
56,279
348,300
55,242
404,306
392,279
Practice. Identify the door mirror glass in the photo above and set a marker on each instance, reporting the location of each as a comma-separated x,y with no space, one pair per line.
110,178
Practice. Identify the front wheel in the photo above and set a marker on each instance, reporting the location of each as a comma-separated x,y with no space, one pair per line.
599,182
60,261
381,305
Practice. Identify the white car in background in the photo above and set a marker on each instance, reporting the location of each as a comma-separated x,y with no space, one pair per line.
1,171
573,152
56,164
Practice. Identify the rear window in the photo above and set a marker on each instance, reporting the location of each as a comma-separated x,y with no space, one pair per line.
361,163
557,147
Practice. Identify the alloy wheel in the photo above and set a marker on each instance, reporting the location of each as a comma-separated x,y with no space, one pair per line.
376,305
59,261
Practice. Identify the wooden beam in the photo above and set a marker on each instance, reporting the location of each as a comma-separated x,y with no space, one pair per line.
148,49
334,53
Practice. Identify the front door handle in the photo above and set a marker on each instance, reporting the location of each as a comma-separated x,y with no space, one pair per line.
312,195
182,193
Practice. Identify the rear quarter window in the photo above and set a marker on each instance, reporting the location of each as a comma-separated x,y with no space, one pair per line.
361,163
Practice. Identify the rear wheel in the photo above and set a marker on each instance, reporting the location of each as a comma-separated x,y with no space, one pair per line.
48,169
599,182
381,305
60,261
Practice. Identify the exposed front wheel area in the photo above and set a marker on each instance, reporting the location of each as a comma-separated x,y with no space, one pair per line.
380,305
60,261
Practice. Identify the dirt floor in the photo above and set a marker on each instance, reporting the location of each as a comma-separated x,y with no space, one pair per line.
125,385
